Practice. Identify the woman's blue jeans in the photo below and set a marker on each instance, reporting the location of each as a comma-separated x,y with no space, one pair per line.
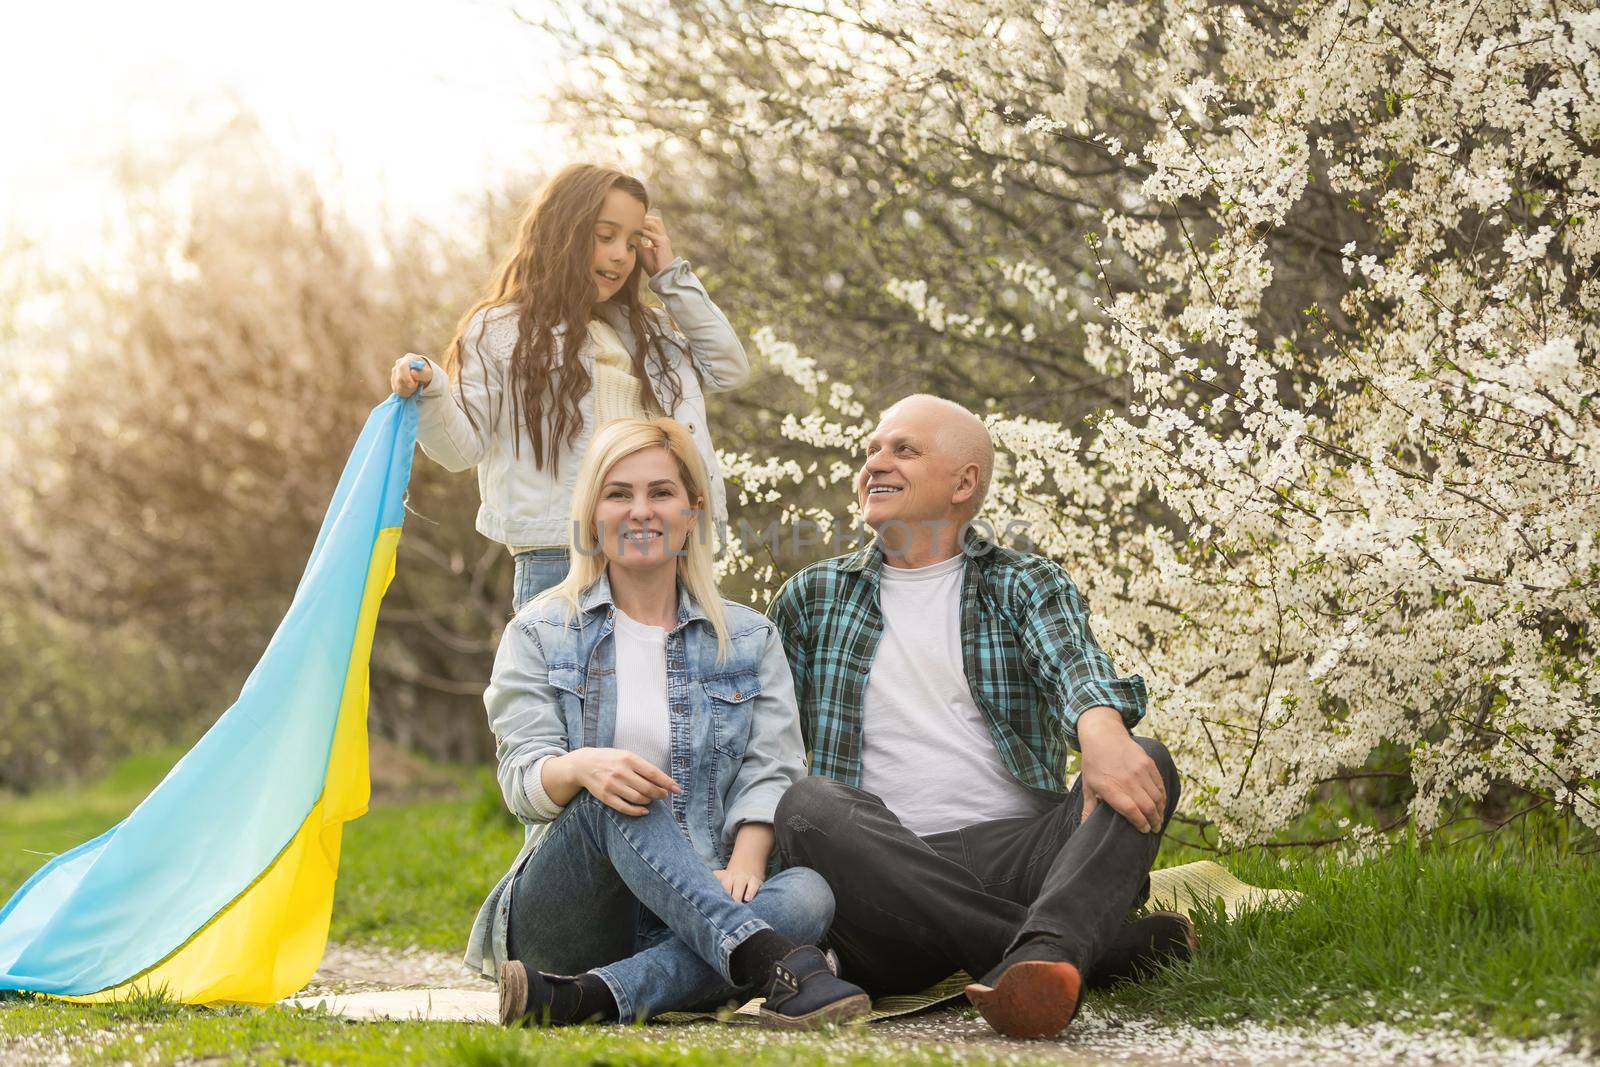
537,570
628,898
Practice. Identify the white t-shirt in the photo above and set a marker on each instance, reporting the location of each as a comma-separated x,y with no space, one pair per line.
643,726
926,749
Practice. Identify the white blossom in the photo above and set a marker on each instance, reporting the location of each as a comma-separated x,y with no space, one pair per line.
1373,527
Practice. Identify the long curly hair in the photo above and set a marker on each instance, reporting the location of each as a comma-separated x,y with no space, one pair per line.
548,279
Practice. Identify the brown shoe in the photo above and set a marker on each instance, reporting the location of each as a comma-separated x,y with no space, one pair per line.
533,998
1034,998
513,993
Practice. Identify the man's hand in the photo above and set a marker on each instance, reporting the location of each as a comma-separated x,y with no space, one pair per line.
1118,771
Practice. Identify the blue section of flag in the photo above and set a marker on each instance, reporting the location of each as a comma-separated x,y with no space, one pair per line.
114,907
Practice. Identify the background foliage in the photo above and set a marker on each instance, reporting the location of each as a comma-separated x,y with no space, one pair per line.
1283,313
1282,316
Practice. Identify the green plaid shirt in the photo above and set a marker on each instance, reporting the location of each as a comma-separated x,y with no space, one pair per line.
1028,653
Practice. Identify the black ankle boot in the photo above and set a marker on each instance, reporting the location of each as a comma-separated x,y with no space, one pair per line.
1143,947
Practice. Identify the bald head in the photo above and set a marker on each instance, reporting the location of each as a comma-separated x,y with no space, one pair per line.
923,477
958,434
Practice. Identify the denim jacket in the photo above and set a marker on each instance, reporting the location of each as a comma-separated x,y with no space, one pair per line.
522,504
734,734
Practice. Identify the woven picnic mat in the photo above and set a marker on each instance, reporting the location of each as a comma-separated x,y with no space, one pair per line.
882,1008
1191,887
1199,886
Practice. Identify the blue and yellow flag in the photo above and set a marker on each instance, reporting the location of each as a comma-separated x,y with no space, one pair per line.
219,886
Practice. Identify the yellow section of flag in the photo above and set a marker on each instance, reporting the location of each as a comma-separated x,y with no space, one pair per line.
267,943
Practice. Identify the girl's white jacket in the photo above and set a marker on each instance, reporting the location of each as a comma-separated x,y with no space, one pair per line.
523,505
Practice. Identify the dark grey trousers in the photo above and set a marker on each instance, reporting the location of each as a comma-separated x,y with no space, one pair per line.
911,910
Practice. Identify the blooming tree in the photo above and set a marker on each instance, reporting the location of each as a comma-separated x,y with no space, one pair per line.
1340,264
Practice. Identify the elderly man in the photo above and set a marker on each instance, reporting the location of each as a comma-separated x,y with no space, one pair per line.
940,679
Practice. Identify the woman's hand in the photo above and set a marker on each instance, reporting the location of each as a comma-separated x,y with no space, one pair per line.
656,252
404,379
747,866
618,779
740,884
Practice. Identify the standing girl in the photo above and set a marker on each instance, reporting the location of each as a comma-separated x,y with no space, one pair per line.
561,345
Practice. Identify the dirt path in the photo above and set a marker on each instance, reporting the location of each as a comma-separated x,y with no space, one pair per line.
1095,1037
414,983
350,969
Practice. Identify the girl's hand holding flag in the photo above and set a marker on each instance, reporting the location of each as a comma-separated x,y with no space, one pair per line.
411,372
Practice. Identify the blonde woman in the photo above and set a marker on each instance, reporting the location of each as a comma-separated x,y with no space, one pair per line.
647,729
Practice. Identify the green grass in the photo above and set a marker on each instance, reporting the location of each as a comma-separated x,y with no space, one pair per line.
415,874
1499,935
1472,938
167,1033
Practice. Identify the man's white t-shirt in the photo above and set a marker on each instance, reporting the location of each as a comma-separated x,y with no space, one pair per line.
926,749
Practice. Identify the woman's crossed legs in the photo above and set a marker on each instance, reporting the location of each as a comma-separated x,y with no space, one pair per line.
629,899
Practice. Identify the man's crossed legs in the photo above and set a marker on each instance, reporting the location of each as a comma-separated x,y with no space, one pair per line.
912,910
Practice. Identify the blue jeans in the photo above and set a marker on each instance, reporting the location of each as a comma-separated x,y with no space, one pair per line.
537,570
628,898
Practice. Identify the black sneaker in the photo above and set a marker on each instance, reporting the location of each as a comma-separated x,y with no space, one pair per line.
1143,947
804,994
